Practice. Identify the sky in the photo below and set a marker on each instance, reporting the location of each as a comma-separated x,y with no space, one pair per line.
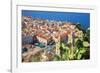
82,18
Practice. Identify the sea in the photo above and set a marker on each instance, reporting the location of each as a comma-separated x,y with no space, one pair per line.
74,17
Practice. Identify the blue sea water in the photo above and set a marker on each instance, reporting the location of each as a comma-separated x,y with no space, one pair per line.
75,17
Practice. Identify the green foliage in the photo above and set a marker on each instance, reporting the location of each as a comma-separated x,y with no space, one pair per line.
35,58
85,44
74,52
79,44
56,58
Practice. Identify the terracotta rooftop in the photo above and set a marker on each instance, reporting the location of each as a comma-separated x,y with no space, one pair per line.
47,37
